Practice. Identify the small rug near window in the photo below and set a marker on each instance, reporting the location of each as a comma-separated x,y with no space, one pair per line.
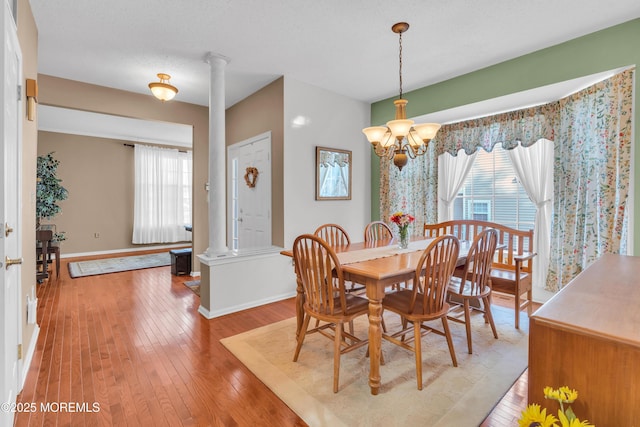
452,397
115,265
194,285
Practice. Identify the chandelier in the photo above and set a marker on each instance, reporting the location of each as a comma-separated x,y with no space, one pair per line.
163,90
401,138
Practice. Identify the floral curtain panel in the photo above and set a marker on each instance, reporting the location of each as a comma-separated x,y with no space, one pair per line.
591,177
412,190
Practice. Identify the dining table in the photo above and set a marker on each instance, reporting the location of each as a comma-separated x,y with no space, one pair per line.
377,265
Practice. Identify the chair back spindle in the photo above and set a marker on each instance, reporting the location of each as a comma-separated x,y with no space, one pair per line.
477,268
433,273
333,234
377,230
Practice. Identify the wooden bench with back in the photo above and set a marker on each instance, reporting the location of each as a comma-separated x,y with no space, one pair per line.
512,265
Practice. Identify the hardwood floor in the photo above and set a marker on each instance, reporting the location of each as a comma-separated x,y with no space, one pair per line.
131,349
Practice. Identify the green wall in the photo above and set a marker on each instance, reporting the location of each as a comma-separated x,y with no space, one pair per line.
604,50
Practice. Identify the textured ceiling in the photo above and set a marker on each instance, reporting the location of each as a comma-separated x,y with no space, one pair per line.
343,46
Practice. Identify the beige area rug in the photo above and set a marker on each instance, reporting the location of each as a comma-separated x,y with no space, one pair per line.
116,265
459,397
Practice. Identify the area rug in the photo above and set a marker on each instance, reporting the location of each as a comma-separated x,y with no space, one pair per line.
451,396
194,285
115,265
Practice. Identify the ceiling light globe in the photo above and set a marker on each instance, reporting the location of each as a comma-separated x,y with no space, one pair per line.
162,89
162,92
375,134
427,131
400,128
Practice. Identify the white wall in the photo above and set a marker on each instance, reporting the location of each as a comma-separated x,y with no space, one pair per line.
316,117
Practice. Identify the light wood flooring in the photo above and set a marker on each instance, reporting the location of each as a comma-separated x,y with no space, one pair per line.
135,344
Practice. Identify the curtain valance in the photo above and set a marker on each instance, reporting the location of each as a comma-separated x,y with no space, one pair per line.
525,126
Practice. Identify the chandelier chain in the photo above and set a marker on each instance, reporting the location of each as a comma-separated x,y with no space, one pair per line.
400,62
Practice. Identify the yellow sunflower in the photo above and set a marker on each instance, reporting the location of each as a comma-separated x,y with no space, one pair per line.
534,417
575,422
550,393
568,395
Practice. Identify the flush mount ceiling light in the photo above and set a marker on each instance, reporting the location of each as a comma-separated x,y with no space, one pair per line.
162,89
401,137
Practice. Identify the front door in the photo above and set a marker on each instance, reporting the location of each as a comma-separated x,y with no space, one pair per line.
10,233
250,193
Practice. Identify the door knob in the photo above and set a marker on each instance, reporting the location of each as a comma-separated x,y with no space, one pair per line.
11,261
7,230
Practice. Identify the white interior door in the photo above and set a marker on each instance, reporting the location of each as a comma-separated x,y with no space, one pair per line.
10,233
250,193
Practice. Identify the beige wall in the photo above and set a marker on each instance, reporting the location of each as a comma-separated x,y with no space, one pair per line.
82,96
261,112
99,175
28,39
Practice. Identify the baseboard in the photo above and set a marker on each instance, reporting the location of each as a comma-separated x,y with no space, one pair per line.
125,250
28,356
228,310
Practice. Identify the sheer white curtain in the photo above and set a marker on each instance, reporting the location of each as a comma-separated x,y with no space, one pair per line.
533,166
452,171
163,192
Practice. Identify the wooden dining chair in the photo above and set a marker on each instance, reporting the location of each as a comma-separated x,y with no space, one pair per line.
333,234
316,267
475,284
425,300
337,236
377,230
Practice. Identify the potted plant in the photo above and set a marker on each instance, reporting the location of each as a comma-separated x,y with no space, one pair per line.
49,191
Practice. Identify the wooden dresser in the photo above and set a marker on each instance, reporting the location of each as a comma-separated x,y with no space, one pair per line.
587,337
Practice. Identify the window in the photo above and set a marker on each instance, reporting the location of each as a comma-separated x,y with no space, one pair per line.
492,192
163,194
479,209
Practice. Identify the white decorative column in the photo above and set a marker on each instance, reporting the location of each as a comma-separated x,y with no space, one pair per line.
227,280
217,151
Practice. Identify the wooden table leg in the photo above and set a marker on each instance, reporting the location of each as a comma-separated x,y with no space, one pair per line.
375,343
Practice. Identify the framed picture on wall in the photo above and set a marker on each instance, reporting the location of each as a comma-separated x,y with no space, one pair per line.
333,174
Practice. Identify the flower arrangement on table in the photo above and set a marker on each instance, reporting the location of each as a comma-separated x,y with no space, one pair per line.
402,220
535,416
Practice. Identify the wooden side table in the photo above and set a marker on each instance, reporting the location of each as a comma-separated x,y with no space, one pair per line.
587,337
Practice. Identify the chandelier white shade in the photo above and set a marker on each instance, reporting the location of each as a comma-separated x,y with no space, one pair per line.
162,89
401,138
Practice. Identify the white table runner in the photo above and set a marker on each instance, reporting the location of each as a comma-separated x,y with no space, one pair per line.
359,255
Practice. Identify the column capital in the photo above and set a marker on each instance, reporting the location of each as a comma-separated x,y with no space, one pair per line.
211,58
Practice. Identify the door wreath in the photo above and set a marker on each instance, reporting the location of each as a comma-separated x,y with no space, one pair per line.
251,176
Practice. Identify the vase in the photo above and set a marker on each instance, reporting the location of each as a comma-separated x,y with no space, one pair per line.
404,238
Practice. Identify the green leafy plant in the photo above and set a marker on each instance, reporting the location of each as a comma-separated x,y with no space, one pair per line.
49,190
